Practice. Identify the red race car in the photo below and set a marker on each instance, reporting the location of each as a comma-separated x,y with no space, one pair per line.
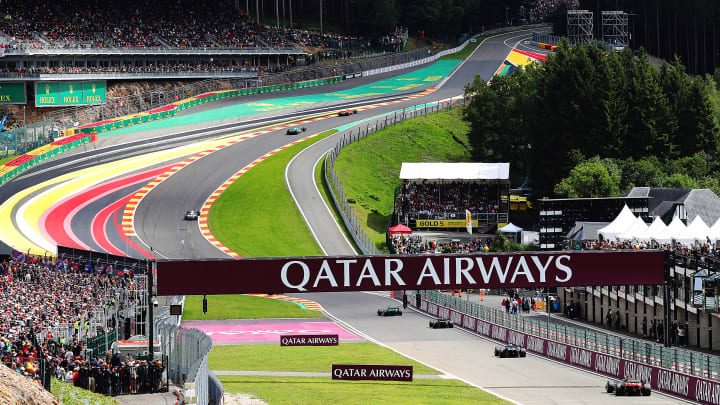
345,113
628,387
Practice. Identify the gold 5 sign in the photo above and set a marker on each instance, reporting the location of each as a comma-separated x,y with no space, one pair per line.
51,94
443,223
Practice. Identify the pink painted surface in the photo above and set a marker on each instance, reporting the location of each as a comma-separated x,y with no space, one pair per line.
267,332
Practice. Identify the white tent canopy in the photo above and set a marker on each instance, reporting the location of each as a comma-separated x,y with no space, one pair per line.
620,224
715,230
697,230
455,171
636,229
510,228
676,227
653,230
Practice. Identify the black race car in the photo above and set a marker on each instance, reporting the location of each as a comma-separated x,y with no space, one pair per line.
296,130
509,350
192,215
628,387
390,311
345,113
440,323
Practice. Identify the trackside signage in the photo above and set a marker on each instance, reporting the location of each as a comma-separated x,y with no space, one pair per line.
688,387
385,273
309,340
371,372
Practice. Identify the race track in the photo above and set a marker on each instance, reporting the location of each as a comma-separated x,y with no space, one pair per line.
154,226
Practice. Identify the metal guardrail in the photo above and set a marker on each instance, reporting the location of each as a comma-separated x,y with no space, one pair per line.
356,134
18,141
187,350
679,360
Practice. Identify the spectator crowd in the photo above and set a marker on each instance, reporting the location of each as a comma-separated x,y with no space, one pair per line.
150,24
425,200
48,307
537,11
415,245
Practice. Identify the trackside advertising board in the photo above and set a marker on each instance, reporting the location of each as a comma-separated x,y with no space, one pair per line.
688,387
385,273
53,94
12,93
371,372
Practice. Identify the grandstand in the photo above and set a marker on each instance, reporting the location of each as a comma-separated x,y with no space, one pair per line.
437,195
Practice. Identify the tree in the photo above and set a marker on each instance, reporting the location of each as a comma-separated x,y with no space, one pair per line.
679,180
589,179
646,172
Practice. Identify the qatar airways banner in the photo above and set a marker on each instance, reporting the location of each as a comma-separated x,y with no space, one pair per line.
681,385
385,273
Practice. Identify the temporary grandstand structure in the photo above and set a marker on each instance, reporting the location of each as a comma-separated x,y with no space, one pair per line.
620,224
636,229
455,171
697,230
676,227
654,229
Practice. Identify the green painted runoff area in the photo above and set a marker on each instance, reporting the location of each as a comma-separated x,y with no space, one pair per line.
317,359
243,307
408,81
323,391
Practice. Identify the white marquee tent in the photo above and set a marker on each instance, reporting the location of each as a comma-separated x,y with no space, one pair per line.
676,227
636,229
715,230
620,224
455,171
653,230
697,230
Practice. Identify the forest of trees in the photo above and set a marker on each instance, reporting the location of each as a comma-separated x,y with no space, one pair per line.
590,124
665,28
441,19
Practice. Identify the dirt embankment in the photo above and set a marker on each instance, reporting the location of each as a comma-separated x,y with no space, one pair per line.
16,389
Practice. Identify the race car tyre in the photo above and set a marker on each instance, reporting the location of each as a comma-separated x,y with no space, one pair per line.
450,325
504,354
645,390
620,389
609,387
380,312
523,353
497,352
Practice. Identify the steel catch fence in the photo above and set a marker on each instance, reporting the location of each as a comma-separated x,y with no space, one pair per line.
679,360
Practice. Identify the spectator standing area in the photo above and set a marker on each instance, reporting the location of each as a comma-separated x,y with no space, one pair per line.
448,196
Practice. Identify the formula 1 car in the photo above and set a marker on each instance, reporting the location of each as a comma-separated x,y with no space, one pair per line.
628,387
345,113
192,215
440,323
295,130
390,311
509,350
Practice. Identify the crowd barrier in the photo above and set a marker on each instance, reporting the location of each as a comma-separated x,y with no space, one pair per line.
585,352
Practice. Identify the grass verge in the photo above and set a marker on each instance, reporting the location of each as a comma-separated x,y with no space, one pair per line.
368,169
306,358
257,217
243,307
325,192
71,395
317,390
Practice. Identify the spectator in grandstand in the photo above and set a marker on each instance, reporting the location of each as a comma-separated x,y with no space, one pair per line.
46,304
423,200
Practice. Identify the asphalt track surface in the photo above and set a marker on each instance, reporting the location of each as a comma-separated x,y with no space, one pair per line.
159,225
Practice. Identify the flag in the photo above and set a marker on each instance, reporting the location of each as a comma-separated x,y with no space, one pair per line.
468,221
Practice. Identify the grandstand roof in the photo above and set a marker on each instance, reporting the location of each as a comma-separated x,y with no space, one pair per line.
455,171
